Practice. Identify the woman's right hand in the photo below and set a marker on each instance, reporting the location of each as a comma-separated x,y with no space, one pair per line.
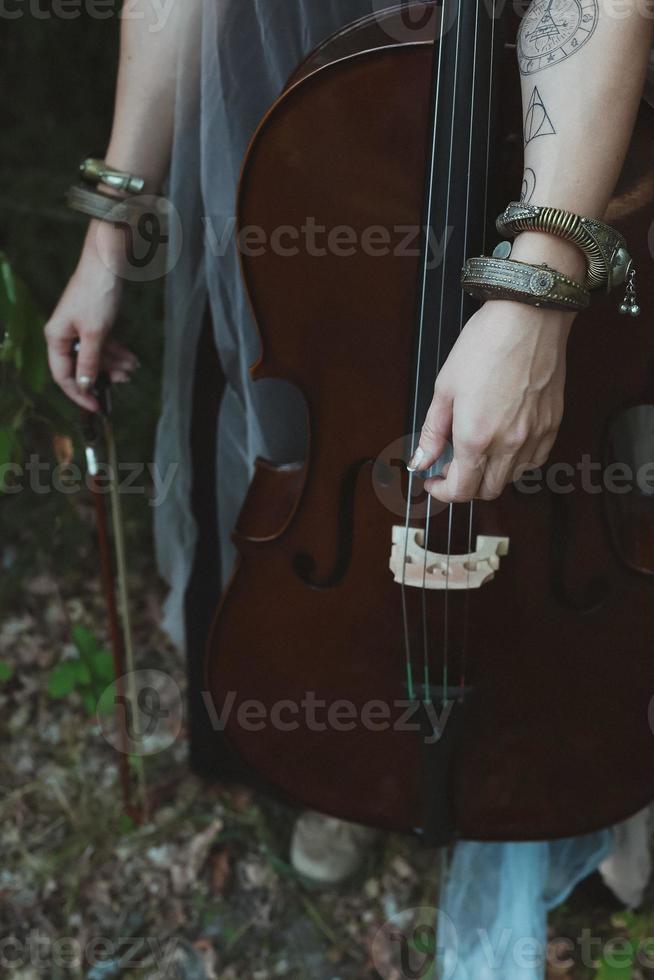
87,312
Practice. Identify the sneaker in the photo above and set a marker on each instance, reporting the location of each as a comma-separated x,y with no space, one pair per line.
328,851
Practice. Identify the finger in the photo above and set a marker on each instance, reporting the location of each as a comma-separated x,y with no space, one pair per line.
111,362
434,434
115,355
500,469
532,457
461,484
88,359
541,453
60,359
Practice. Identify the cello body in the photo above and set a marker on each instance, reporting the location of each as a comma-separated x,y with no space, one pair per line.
306,655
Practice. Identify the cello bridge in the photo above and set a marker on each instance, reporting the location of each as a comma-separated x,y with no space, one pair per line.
414,565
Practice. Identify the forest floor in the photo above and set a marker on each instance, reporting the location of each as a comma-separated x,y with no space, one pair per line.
202,890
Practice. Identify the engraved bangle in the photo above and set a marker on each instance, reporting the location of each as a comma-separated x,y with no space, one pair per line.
489,278
106,207
95,171
604,248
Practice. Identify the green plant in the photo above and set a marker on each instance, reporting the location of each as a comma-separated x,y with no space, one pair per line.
89,673
26,392
619,958
39,427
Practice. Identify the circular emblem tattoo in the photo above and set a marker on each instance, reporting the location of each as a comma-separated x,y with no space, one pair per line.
552,30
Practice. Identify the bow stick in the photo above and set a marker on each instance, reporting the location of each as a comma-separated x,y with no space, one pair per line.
97,428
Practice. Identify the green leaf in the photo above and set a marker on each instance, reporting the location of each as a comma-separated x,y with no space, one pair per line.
85,642
106,704
6,670
7,293
24,343
617,961
8,452
101,663
638,926
10,311
83,673
34,367
63,679
125,824
89,702
7,443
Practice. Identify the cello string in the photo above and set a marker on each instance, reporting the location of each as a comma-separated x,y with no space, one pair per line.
446,607
405,612
425,631
446,597
471,134
466,614
421,326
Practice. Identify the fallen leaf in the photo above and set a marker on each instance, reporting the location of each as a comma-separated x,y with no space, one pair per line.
184,871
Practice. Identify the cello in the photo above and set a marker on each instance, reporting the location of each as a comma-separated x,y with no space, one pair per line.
477,671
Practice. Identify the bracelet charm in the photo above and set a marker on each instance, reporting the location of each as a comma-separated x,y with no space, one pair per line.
94,171
630,303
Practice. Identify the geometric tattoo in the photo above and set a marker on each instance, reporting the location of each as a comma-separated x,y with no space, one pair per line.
552,30
537,120
528,186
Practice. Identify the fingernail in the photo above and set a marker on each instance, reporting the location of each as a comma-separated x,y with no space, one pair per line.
84,382
416,460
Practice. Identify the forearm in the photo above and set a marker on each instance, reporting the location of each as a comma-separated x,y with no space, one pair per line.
579,102
151,55
581,86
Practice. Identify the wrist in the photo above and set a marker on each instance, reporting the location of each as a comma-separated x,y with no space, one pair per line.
104,248
521,317
538,247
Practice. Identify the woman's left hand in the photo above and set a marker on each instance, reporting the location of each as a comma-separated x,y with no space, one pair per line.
499,398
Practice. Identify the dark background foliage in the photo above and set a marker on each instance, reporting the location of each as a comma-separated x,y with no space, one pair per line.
59,65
